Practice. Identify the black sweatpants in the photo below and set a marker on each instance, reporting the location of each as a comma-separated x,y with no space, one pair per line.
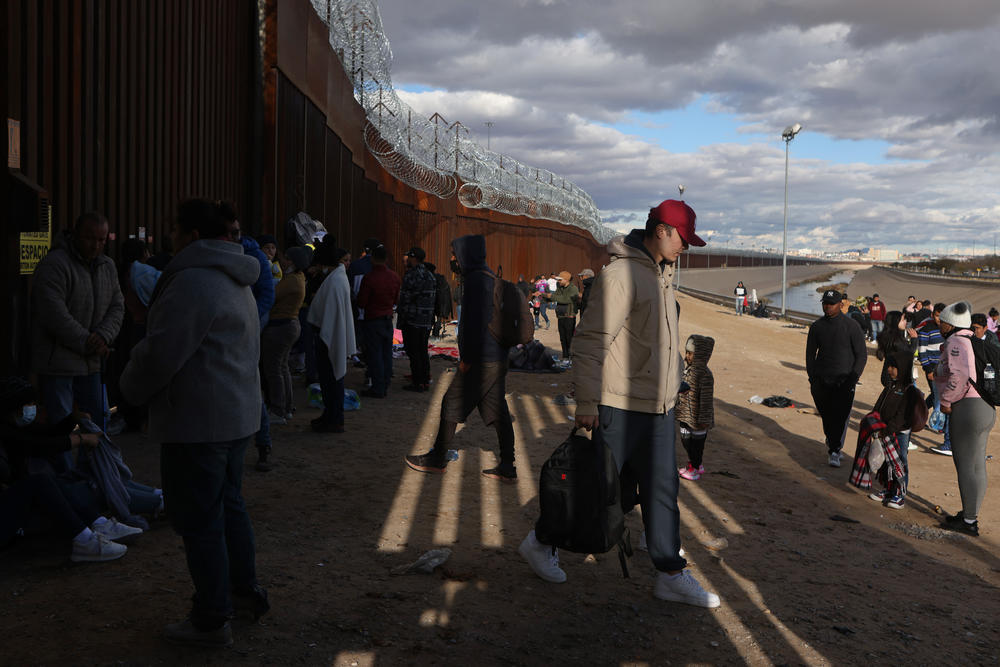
566,327
834,404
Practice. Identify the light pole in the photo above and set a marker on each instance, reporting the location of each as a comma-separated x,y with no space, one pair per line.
677,270
787,137
489,126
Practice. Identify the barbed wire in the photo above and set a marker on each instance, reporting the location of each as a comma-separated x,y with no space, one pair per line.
433,155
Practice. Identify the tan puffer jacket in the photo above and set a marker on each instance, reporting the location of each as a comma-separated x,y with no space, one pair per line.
696,407
626,350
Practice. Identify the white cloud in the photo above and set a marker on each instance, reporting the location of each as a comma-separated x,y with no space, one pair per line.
916,74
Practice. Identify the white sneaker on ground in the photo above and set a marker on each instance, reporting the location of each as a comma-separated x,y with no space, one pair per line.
543,559
684,588
276,419
835,459
96,550
114,530
911,447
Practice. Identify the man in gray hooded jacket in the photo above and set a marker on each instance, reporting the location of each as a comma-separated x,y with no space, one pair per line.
197,369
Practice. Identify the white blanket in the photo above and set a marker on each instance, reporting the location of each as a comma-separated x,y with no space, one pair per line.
331,312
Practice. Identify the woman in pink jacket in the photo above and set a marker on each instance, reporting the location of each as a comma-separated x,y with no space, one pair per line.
972,418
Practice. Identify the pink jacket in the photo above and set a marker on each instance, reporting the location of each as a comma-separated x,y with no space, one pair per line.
956,369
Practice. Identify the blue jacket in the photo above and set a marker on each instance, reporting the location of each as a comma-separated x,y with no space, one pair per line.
475,342
263,289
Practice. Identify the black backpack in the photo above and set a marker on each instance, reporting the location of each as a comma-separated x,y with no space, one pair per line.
512,323
986,353
580,497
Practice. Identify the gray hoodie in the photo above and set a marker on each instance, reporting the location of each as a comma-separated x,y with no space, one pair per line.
197,365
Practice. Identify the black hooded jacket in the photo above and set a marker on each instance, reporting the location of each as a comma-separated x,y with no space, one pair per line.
897,402
475,343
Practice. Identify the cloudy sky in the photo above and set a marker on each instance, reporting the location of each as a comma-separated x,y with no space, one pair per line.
899,100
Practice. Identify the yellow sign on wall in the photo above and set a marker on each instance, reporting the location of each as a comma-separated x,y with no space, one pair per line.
34,246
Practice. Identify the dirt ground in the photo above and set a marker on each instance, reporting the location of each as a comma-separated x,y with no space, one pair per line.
339,512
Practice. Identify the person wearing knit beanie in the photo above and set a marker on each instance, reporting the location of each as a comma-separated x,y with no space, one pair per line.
958,315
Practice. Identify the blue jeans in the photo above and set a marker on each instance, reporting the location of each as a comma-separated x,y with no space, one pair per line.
904,441
877,326
263,437
60,392
378,334
202,484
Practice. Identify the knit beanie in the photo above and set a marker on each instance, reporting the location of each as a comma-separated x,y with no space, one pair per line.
958,314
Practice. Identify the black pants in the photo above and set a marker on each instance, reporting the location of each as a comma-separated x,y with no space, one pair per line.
566,327
834,404
415,344
378,334
694,445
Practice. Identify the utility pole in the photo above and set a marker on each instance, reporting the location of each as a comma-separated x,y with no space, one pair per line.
489,126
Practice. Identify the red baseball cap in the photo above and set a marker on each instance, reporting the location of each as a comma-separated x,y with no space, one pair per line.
681,217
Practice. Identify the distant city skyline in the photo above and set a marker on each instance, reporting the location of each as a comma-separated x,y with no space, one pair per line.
898,99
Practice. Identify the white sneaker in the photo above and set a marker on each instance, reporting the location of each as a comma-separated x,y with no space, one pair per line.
114,530
910,447
684,588
544,560
276,419
835,459
97,549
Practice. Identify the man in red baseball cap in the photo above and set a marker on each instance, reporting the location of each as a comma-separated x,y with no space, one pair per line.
627,369
678,215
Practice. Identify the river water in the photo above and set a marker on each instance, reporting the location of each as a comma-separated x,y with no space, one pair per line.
804,297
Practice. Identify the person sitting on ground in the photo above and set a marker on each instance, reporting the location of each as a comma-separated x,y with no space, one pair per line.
903,411
980,328
971,417
695,407
20,435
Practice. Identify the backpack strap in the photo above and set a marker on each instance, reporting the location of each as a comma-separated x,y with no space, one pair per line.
624,552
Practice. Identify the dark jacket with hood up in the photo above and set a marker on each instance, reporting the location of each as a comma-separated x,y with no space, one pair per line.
475,342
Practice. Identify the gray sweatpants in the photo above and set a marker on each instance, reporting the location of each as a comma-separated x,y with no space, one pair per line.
971,422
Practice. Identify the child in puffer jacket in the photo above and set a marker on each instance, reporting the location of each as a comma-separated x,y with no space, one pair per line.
695,410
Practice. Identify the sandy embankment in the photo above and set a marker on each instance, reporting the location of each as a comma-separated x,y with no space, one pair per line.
800,585
765,279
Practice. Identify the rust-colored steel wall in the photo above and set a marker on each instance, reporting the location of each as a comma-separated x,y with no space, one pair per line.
320,166
127,107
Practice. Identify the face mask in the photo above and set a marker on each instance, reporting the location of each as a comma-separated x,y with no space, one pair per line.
28,414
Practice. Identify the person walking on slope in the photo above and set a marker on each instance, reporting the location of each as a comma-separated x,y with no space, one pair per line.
696,407
835,359
741,297
627,372
481,379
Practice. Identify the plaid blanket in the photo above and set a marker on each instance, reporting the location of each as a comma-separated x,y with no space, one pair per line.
877,449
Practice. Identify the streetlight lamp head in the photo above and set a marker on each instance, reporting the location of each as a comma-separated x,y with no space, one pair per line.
791,131
680,189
